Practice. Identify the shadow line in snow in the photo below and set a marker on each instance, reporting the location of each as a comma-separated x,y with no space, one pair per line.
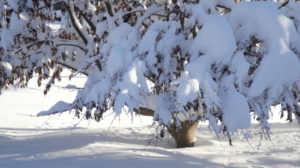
278,161
127,151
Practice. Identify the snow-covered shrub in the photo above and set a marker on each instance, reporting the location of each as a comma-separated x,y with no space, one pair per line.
178,61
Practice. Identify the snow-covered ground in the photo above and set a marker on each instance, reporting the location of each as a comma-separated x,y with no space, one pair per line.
63,141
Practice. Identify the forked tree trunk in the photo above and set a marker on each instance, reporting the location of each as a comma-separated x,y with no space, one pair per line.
185,134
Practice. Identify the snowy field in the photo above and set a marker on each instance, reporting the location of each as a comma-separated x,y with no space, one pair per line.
62,141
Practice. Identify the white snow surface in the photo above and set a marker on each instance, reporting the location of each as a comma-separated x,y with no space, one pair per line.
62,141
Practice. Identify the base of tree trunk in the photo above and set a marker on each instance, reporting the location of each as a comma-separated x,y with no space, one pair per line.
185,134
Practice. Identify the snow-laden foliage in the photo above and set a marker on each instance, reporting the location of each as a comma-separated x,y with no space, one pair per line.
183,61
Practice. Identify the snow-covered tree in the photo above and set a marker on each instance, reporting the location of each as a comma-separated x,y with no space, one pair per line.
180,61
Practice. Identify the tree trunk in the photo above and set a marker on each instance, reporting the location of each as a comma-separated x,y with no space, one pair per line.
185,134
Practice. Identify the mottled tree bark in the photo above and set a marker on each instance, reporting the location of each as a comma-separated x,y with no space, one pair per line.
184,135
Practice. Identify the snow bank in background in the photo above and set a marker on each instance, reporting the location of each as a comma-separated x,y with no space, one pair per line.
58,107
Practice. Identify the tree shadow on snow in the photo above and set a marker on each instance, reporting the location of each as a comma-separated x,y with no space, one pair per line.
131,151
279,162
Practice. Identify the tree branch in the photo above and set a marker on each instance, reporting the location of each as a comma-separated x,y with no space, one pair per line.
70,67
28,46
90,23
73,45
109,8
144,111
63,5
